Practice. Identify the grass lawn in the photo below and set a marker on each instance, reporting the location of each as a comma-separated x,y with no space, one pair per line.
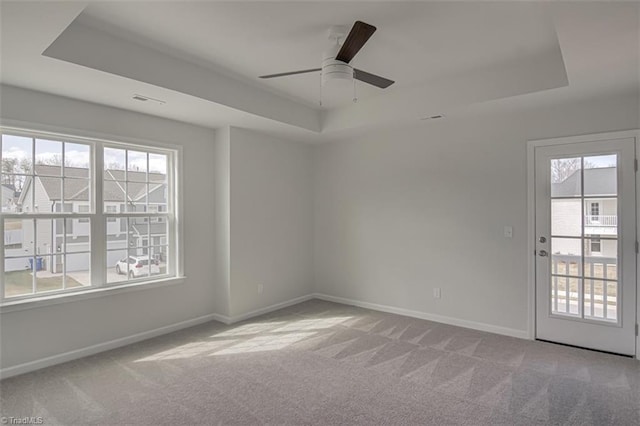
20,282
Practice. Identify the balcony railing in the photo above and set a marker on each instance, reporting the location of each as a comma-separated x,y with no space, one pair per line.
601,220
598,286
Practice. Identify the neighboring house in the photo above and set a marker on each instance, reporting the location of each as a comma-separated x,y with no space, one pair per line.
600,212
44,194
8,198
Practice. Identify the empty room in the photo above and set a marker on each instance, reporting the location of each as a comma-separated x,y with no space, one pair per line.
319,212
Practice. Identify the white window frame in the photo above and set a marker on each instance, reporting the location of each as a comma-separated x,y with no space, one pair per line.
98,222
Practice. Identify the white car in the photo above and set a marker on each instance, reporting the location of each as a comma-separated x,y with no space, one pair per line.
138,266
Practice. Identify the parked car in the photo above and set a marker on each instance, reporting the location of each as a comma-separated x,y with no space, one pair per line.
138,266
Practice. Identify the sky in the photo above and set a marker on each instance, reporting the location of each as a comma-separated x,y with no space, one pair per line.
78,155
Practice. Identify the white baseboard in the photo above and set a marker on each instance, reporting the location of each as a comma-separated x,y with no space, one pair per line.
101,347
112,344
266,310
513,332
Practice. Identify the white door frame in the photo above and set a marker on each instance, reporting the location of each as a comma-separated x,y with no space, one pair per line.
531,215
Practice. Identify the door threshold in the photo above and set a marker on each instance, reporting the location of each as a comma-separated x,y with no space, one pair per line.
587,349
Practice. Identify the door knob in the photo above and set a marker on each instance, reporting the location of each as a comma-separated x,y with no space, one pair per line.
542,239
543,253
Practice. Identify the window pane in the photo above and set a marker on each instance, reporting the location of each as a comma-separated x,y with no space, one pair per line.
77,160
78,270
137,166
564,295
598,303
8,198
77,191
17,152
157,168
601,216
48,158
600,175
49,276
48,192
566,178
78,237
18,237
18,278
159,255
114,159
138,236
566,217
566,256
45,243
603,263
117,266
158,194
136,197
114,194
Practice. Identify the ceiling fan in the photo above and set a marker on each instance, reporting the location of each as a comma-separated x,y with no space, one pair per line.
335,64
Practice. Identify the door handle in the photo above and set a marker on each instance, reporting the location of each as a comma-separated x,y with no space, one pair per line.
543,253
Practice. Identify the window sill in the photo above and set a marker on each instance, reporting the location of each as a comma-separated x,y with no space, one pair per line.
38,302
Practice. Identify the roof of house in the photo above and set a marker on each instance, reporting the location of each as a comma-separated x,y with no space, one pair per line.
76,183
597,181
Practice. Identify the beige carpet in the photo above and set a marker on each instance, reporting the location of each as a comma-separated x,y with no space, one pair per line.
329,364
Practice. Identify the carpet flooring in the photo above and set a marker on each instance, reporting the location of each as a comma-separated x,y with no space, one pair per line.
321,363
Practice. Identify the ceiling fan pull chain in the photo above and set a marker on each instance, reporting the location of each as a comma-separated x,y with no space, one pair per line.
320,88
355,95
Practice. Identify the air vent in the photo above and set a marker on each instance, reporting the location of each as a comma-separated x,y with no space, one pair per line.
433,117
142,98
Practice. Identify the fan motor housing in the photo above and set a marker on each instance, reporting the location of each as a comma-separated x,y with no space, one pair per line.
332,69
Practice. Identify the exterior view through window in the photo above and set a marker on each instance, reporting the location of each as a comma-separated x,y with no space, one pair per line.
78,214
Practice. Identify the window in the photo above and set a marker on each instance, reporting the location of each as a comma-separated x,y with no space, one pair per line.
595,210
596,244
48,246
83,208
139,178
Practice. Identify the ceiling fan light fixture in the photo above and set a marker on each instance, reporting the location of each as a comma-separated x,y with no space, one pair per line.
333,69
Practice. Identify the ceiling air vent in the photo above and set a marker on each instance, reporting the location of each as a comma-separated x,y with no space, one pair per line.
433,117
142,98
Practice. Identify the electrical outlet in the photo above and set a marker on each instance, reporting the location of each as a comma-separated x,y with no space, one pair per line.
436,293
508,232
260,288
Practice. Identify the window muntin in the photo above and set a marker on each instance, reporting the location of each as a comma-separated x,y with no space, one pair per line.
136,217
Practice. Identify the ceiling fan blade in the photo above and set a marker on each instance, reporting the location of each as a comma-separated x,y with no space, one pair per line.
282,74
374,80
358,36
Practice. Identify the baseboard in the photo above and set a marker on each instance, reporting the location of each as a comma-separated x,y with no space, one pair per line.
513,332
267,309
112,344
101,347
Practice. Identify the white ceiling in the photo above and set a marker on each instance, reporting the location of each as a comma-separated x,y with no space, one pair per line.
449,52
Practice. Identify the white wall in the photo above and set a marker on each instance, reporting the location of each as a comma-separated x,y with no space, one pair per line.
411,208
271,224
36,333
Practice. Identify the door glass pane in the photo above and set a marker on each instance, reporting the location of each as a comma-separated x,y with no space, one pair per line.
566,217
600,175
601,300
566,179
566,256
601,216
601,258
565,295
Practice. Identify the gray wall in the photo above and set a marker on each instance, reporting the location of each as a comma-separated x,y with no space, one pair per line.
271,220
37,333
414,207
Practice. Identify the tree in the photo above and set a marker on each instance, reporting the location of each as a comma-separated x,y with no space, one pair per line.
562,168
